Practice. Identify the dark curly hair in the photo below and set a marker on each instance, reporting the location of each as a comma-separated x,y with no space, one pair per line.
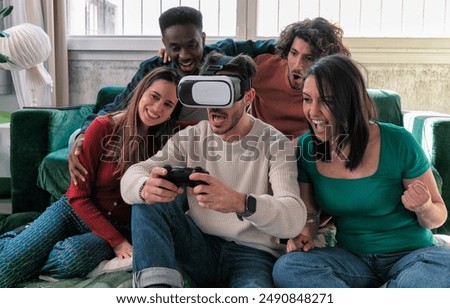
323,37
241,65
181,15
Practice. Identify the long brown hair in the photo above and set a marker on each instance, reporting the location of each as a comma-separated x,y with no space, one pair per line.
131,141
343,90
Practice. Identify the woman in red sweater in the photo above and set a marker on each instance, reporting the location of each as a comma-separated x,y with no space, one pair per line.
91,222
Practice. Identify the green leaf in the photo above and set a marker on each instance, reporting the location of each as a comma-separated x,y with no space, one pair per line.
4,34
4,59
6,11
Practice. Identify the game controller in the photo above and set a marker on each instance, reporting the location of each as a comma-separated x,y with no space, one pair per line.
179,175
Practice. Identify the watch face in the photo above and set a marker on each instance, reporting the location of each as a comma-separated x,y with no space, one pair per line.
250,206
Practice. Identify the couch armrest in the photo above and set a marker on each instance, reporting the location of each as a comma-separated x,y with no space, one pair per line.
432,131
35,132
435,141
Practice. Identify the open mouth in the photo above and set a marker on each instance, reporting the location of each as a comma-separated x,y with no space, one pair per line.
186,66
319,125
151,115
217,118
296,76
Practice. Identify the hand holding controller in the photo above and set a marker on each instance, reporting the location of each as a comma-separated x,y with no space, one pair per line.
180,175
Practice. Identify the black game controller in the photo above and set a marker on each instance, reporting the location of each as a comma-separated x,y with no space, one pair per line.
180,175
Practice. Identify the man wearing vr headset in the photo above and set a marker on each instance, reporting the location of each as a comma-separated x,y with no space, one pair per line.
249,200
184,40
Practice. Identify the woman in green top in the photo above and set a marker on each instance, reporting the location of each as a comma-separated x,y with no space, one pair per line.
376,182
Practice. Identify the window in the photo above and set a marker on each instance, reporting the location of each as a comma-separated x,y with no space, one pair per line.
140,17
264,18
361,18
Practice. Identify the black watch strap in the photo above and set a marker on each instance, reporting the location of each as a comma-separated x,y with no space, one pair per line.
250,207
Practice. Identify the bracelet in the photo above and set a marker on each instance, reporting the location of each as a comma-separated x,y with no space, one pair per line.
312,217
140,191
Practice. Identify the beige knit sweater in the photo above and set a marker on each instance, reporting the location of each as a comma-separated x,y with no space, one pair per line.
261,164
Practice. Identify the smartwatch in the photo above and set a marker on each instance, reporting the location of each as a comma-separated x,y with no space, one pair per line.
250,207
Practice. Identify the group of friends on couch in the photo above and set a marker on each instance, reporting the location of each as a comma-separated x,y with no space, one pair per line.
300,140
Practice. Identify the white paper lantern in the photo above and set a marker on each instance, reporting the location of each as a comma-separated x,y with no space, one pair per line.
28,46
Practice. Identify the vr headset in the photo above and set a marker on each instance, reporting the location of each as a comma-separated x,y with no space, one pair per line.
211,90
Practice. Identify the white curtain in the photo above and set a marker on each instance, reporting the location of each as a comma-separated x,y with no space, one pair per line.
58,63
50,16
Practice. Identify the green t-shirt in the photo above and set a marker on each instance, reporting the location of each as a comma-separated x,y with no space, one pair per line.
368,212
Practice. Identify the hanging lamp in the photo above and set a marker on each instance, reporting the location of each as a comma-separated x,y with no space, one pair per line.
27,46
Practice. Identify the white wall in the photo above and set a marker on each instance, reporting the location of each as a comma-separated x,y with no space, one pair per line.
418,69
8,103
8,100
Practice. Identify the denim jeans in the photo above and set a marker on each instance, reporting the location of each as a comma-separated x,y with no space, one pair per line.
335,267
57,243
170,249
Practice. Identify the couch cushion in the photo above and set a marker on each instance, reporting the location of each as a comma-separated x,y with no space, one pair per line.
63,124
388,106
53,173
106,95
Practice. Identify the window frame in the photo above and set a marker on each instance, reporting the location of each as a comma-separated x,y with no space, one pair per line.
366,50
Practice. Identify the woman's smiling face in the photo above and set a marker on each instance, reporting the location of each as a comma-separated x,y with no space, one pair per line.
316,111
158,102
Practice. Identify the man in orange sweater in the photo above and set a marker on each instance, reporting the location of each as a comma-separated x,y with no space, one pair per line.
279,79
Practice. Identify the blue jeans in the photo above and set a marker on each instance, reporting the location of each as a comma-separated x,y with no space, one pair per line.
170,249
57,243
335,267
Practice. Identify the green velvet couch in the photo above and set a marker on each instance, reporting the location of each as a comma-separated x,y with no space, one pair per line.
39,138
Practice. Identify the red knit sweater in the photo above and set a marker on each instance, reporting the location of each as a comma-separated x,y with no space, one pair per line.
97,201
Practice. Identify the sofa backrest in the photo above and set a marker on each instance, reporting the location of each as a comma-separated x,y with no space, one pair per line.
388,105
387,102
106,95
